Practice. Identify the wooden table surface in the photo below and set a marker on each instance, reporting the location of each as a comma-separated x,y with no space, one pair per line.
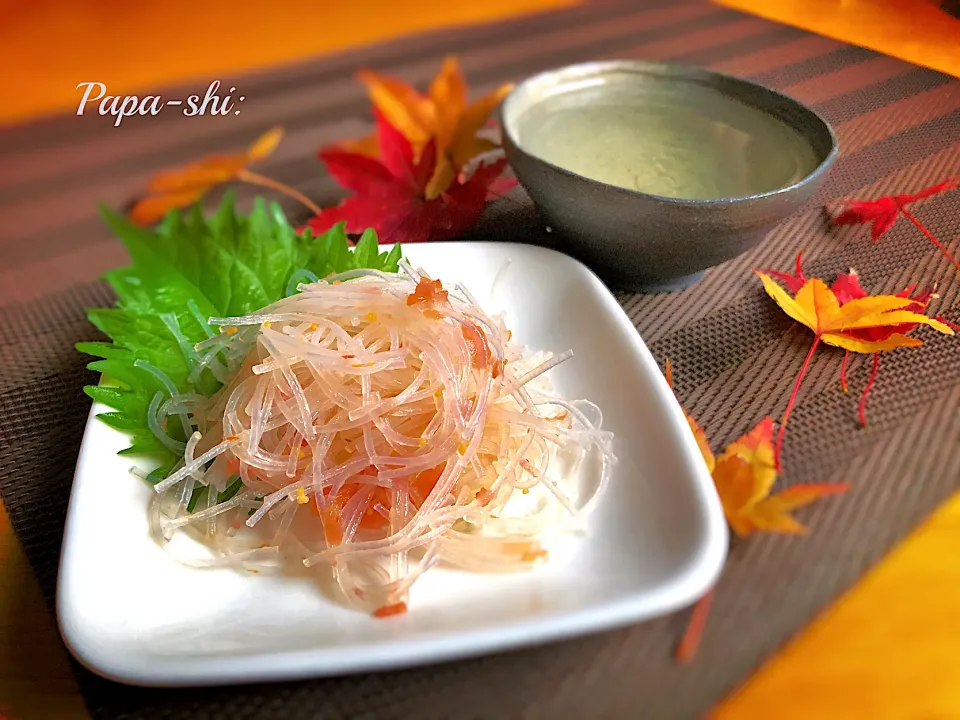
890,649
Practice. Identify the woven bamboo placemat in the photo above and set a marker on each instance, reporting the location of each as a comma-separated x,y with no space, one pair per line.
734,354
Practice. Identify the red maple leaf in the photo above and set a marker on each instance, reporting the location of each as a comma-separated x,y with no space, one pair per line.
882,213
390,192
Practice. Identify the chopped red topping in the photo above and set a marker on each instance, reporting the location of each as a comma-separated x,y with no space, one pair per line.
427,292
476,345
533,555
388,610
422,483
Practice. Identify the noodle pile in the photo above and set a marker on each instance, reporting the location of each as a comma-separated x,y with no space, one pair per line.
375,424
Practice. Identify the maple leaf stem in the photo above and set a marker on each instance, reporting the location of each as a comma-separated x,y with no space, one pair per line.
922,228
262,180
793,399
862,410
687,648
843,370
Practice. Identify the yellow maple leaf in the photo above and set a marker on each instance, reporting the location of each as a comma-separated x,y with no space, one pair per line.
845,316
816,306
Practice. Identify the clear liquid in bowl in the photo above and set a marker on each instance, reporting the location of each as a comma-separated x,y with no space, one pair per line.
667,141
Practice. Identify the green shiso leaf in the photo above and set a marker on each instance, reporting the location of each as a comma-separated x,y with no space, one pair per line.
186,270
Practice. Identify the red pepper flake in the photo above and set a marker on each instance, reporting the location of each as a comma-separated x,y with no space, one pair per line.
388,610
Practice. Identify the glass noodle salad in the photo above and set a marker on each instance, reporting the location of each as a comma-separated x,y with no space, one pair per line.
372,425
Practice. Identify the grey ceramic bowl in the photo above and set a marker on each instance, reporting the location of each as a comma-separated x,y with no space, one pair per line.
646,242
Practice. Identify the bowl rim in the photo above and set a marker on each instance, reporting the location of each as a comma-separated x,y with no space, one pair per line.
684,73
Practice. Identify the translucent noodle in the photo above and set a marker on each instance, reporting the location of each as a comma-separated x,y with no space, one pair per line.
372,426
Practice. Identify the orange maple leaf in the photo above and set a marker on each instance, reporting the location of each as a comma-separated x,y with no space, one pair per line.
442,114
744,475
186,185
863,324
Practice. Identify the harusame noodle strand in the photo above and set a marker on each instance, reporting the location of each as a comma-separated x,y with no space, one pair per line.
373,425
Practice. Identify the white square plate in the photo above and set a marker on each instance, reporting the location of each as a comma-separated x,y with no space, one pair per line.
656,542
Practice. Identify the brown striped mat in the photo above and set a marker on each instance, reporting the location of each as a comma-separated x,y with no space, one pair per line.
734,353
